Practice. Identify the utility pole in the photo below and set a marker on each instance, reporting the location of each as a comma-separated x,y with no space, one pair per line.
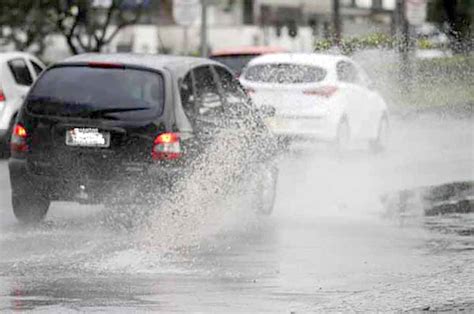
404,44
336,22
204,51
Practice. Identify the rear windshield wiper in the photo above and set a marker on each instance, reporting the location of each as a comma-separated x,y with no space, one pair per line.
113,110
106,111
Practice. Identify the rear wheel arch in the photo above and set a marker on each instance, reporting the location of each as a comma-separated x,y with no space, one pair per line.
343,119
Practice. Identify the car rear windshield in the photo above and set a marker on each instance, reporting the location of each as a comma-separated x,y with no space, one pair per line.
284,73
78,91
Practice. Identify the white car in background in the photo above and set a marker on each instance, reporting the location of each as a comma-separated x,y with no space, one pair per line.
18,71
318,96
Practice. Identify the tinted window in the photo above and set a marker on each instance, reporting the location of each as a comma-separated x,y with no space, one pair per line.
237,102
186,92
20,72
83,91
38,69
346,72
284,73
208,99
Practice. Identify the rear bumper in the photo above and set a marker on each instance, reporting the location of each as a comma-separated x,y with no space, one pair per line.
133,189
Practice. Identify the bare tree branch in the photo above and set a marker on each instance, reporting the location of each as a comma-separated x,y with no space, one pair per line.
124,23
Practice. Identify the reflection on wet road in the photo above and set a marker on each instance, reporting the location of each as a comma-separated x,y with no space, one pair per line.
332,244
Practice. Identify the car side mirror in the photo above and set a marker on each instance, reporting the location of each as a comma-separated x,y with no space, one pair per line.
267,111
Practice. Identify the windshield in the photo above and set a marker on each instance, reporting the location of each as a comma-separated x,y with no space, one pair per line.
284,73
79,90
235,62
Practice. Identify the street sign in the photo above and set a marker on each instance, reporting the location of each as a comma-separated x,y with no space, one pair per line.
415,11
185,12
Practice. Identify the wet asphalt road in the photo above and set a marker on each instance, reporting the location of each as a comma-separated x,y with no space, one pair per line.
331,244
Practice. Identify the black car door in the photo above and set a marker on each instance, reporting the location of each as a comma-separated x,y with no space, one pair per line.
202,104
242,119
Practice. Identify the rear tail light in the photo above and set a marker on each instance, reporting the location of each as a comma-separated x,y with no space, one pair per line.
167,146
2,95
18,139
325,91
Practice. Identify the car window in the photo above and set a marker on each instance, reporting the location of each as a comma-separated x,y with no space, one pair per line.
208,100
284,73
38,69
20,72
187,94
347,72
79,91
236,100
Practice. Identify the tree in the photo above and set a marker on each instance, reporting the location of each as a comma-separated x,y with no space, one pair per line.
23,24
457,15
88,27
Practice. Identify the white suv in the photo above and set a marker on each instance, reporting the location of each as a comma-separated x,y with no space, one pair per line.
18,71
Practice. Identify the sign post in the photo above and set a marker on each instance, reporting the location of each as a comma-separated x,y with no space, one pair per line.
185,13
415,11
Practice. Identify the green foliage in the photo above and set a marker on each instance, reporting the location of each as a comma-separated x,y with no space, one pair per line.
24,25
436,82
376,40
458,16
27,23
351,44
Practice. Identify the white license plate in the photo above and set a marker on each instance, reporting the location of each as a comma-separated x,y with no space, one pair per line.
87,137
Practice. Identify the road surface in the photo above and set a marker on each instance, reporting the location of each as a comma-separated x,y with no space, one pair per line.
331,244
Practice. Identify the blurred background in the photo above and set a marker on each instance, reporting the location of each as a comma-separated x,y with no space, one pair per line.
54,29
401,43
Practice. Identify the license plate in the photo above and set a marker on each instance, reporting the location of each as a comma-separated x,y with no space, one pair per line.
87,137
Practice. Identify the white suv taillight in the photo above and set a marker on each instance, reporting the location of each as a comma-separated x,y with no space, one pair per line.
324,91
167,146
18,140
2,95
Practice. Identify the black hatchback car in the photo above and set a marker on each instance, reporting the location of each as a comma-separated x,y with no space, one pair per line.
96,124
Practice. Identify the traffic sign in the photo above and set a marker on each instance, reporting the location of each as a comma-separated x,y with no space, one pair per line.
185,12
415,11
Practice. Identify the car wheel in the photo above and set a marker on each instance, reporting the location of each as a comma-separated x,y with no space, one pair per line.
30,208
266,190
379,144
343,136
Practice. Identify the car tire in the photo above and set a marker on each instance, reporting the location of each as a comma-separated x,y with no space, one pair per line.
379,144
266,190
343,136
30,208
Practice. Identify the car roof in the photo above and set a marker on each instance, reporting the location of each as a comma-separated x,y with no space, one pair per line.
318,59
247,50
179,65
14,54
